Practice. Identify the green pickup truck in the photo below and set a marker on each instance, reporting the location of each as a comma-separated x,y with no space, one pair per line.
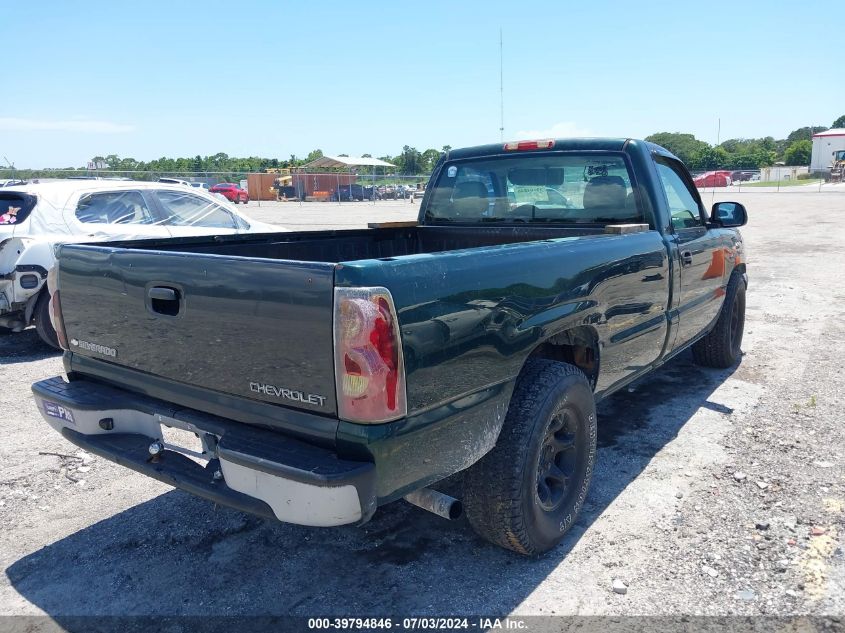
311,377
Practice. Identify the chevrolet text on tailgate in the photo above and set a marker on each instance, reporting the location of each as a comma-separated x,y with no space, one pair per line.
323,374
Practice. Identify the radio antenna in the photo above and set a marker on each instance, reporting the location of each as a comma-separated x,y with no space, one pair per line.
501,89
12,167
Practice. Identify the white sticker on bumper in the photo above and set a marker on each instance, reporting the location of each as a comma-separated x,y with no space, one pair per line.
58,411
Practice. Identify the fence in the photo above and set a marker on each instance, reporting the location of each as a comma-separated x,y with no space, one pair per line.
345,186
323,186
776,179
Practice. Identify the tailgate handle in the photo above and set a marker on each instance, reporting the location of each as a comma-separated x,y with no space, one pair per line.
162,293
164,300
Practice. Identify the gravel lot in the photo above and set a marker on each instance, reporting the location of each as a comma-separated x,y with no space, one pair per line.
716,492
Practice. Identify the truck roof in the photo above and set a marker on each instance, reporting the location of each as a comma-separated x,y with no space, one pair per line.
573,144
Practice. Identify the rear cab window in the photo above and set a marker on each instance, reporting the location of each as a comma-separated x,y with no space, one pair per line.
15,207
561,188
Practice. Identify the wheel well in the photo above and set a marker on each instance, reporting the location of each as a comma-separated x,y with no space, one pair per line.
578,347
29,310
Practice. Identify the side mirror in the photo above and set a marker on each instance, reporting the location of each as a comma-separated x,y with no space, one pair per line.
729,214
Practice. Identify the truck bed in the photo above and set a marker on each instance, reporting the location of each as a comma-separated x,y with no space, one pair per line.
175,308
352,245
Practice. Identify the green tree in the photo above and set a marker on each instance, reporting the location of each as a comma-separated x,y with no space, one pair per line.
805,133
128,164
113,161
840,122
314,155
752,153
684,146
798,153
409,161
708,158
429,159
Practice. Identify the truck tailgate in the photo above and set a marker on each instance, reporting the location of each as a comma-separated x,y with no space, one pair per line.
250,327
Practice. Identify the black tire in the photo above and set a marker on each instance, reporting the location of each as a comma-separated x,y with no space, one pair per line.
43,325
722,346
235,201
508,501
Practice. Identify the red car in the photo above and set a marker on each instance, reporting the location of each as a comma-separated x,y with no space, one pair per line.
713,179
231,191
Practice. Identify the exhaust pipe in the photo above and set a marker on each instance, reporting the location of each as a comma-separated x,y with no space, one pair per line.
436,502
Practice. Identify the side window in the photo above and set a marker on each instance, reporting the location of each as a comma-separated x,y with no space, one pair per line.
114,207
683,205
187,209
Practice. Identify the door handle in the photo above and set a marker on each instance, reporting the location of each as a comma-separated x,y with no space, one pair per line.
164,300
686,258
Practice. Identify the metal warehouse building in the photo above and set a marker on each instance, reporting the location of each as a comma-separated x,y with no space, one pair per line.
824,144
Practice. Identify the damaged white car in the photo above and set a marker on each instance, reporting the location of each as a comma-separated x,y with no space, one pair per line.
36,217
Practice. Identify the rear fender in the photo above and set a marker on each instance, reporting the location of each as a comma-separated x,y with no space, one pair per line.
37,253
11,249
25,255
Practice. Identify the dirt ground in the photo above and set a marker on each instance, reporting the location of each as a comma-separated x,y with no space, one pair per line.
716,492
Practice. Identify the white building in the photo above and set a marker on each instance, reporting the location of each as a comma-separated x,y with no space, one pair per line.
824,144
781,172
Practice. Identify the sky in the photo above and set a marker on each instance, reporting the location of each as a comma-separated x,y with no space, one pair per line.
276,78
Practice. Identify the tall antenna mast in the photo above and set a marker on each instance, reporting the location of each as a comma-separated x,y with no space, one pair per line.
12,166
501,89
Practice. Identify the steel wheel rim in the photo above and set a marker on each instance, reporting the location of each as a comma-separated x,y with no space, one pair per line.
557,460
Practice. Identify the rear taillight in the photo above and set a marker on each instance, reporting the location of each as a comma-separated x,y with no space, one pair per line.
369,370
55,307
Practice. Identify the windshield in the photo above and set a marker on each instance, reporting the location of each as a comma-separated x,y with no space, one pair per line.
564,188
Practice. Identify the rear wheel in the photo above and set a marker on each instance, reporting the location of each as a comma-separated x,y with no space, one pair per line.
527,492
721,347
43,325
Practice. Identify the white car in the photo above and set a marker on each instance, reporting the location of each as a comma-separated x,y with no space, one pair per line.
175,181
36,217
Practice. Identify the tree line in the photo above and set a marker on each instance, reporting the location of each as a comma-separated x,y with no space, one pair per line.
736,153
740,153
409,161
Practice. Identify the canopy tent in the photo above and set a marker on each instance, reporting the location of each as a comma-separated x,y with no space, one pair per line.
346,163
343,162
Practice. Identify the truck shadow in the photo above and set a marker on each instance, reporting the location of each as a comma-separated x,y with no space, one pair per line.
176,554
23,347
